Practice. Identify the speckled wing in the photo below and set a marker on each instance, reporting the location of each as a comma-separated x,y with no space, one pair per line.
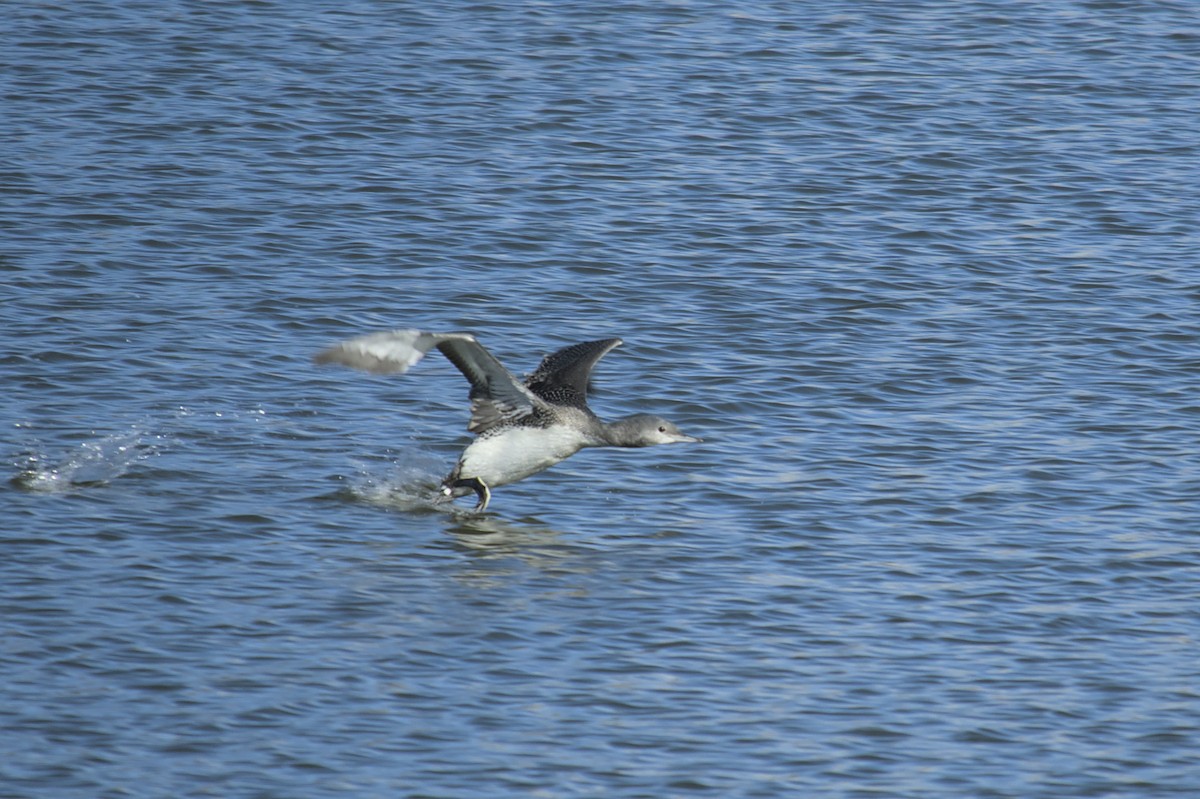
562,377
496,396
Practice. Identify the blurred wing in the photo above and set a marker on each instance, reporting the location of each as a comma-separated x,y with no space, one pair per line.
394,351
496,396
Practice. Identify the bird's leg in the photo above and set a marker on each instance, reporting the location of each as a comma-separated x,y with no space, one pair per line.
481,490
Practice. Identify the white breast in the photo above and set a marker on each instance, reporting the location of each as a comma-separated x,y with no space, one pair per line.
518,452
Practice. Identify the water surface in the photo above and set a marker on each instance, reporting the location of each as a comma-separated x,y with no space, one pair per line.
923,278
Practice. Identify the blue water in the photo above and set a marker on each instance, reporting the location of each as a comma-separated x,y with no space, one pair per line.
924,276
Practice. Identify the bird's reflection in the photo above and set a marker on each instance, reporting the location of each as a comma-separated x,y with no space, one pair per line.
496,548
500,550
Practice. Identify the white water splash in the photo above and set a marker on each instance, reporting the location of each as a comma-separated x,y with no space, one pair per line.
93,462
409,482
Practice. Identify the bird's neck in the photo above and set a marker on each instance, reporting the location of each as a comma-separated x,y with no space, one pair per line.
623,433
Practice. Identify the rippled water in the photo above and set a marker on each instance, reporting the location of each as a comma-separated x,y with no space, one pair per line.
923,276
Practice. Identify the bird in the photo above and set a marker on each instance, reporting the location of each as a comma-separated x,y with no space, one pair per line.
521,427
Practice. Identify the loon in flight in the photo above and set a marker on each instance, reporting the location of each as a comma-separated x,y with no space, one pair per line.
523,427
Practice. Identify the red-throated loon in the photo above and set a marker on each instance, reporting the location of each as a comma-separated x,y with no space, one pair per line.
522,428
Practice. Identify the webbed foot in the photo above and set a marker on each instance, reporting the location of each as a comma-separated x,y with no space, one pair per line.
480,488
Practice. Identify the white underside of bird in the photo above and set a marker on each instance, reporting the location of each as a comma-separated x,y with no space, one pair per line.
520,452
